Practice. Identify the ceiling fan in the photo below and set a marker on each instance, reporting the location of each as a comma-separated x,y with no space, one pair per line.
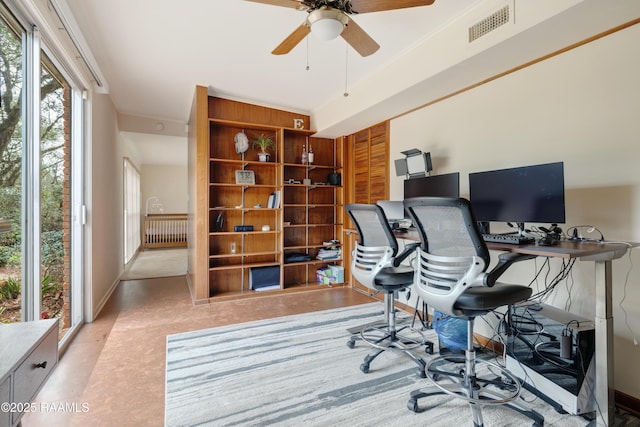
329,19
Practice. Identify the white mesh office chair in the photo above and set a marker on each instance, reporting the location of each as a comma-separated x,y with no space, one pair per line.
451,277
377,265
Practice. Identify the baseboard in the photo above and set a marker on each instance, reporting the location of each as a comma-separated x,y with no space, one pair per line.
96,311
495,346
627,403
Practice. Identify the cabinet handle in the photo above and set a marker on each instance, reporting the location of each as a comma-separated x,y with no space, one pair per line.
42,365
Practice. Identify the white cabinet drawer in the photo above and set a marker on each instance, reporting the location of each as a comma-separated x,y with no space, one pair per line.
32,373
5,396
28,354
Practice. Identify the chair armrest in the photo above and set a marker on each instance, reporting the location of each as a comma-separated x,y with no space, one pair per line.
505,260
408,250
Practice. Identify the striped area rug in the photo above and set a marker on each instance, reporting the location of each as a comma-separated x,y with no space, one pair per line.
298,371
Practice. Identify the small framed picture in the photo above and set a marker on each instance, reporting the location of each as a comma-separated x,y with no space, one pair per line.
245,177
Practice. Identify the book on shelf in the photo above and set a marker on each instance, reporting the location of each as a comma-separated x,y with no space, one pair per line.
274,200
329,254
330,251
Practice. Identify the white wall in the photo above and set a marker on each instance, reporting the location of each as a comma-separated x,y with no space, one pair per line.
444,61
580,107
104,216
166,182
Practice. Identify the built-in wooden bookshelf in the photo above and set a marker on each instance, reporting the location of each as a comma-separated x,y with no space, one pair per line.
309,214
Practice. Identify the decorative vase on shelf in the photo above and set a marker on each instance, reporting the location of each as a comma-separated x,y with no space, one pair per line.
263,156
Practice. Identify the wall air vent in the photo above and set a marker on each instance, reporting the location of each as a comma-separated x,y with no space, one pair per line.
489,23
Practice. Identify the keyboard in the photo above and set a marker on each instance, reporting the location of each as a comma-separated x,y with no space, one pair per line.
512,239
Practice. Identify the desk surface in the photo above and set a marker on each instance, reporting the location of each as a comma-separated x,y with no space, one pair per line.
567,249
564,248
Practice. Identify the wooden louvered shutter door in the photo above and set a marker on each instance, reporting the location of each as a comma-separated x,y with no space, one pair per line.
378,160
361,169
370,169
366,179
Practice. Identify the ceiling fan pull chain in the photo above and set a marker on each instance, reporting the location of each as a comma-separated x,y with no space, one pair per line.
307,53
346,69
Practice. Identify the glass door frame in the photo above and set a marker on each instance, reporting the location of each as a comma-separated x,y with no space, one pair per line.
34,45
31,292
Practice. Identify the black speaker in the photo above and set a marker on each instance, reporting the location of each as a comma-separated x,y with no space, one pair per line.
334,178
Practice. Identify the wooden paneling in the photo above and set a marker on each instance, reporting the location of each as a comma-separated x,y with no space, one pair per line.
198,184
225,109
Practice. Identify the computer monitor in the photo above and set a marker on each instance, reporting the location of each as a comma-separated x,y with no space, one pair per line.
393,209
445,185
518,195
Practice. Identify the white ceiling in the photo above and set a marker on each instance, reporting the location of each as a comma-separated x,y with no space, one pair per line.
152,54
154,149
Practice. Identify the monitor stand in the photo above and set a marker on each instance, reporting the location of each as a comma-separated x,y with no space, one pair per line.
485,228
521,230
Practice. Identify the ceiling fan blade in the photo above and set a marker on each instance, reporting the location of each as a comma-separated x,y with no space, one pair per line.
284,3
359,39
292,40
364,6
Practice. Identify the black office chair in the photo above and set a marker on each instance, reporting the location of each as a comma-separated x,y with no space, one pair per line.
451,277
377,265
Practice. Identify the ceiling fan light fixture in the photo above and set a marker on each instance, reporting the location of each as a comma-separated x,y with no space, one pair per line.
326,29
327,23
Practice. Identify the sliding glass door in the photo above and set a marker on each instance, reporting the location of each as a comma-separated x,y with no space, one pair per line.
131,237
41,185
55,184
11,149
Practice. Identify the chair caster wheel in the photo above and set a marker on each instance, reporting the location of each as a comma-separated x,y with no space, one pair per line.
422,373
412,404
351,344
428,347
364,368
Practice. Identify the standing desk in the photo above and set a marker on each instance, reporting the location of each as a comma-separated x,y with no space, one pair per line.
602,255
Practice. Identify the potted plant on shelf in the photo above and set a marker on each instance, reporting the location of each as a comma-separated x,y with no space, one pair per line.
263,142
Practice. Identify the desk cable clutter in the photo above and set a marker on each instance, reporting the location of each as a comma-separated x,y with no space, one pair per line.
577,235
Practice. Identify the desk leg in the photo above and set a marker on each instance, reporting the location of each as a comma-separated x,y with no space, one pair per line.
604,392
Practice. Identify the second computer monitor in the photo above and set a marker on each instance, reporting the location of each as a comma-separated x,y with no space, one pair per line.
524,194
445,185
